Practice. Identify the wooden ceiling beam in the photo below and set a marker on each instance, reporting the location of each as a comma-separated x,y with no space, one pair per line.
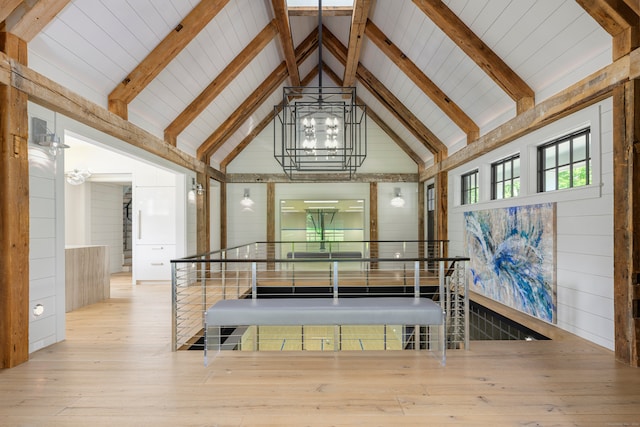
44,91
286,40
634,4
383,125
358,23
587,91
231,71
326,11
29,17
242,178
255,131
257,97
162,55
479,52
450,108
619,20
6,8
386,98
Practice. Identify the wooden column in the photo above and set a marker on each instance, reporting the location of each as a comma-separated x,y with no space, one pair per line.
442,208
373,222
626,221
421,219
223,215
271,223
14,215
203,215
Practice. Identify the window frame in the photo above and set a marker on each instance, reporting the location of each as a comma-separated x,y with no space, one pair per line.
542,168
466,190
494,178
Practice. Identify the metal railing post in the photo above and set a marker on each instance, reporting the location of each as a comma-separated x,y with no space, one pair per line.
335,281
174,307
254,280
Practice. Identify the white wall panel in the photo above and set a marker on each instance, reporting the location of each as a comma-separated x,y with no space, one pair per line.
584,233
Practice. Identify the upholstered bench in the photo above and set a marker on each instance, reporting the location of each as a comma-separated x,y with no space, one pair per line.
323,311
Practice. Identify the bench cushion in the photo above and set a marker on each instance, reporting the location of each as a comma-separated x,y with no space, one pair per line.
326,311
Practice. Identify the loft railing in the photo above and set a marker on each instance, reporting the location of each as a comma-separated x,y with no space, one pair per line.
313,269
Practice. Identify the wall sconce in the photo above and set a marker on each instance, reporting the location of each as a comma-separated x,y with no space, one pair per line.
44,137
246,201
197,187
77,177
398,200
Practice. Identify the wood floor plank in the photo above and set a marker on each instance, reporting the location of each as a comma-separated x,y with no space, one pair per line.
116,368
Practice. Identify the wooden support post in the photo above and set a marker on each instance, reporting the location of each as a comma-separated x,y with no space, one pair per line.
373,222
442,210
14,215
223,215
203,214
626,221
271,223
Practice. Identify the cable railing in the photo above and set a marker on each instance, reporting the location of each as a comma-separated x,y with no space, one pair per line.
315,270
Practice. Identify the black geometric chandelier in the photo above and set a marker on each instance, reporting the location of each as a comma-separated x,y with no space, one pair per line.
319,129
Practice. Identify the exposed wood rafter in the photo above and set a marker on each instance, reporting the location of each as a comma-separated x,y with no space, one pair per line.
587,91
479,52
326,177
231,71
253,101
6,7
286,40
29,18
619,20
358,23
268,119
54,96
381,123
164,53
429,88
387,98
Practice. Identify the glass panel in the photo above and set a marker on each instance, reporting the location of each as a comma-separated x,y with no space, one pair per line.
516,187
516,167
563,153
499,190
550,180
507,170
580,148
498,169
564,177
550,157
579,174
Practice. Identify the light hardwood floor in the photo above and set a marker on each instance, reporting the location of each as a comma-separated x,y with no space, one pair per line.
116,369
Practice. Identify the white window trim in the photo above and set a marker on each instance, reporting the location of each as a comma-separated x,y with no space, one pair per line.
527,147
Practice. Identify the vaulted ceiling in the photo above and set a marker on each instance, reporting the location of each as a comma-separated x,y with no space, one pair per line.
205,75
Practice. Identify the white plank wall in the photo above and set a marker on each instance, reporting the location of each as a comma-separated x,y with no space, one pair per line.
584,222
106,221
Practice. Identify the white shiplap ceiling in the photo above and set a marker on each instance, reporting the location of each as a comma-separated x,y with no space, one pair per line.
92,45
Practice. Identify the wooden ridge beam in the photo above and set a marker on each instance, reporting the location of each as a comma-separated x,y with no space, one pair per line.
358,23
587,91
286,40
44,91
246,178
479,52
383,125
387,98
262,125
450,108
231,71
326,11
255,99
161,55
29,18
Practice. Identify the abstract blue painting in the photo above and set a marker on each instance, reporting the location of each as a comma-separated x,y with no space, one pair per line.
512,257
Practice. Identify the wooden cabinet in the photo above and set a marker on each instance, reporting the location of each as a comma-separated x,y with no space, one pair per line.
87,278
